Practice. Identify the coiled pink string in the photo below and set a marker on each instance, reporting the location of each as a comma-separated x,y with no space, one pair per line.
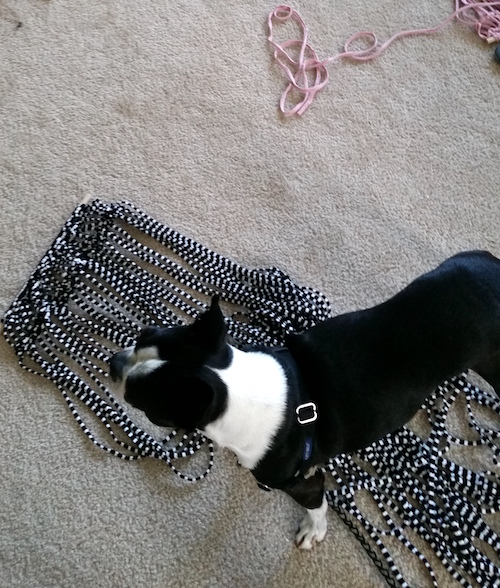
486,21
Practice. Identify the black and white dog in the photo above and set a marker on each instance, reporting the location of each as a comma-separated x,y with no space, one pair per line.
333,389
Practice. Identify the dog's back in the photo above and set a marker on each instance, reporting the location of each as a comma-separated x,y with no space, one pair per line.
372,369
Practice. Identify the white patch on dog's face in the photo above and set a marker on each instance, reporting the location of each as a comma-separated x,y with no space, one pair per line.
140,361
146,353
144,367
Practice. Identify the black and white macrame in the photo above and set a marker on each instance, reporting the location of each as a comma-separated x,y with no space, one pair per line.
113,270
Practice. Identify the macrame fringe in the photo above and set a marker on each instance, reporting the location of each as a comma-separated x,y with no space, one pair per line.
113,270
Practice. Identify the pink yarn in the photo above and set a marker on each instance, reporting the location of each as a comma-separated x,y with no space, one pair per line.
485,19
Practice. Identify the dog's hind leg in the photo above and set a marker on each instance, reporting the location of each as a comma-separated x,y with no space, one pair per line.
489,369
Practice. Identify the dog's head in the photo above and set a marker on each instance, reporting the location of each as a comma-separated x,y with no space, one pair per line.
168,372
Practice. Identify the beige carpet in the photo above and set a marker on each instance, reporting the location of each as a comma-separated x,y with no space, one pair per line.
173,106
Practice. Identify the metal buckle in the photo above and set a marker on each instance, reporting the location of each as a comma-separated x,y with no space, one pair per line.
309,406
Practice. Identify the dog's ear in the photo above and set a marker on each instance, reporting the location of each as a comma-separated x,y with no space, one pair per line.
200,399
192,406
211,327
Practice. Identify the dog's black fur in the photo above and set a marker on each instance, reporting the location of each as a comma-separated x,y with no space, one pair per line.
368,371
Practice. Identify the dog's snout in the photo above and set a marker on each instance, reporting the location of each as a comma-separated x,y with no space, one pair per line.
117,365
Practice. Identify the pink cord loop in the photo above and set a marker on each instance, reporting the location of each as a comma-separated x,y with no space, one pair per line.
283,12
361,54
483,16
296,70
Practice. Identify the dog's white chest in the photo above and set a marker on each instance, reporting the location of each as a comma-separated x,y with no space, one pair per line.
257,391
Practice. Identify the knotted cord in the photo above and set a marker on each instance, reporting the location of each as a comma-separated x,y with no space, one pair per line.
483,16
113,270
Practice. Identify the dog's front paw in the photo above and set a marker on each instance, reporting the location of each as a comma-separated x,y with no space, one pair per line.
310,532
313,527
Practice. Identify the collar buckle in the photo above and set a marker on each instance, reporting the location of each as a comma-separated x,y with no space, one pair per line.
306,413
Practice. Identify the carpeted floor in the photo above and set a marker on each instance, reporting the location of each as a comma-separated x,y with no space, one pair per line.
173,106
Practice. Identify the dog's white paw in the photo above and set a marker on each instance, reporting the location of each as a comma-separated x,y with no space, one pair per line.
312,528
310,533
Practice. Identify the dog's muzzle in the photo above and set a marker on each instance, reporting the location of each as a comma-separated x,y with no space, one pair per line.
119,364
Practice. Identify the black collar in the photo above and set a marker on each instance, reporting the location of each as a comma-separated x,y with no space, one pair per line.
298,431
306,411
